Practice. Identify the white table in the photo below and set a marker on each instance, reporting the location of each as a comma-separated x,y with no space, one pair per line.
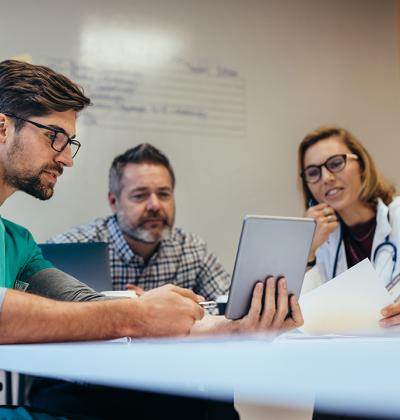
357,375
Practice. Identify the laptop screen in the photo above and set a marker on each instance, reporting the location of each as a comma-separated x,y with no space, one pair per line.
88,262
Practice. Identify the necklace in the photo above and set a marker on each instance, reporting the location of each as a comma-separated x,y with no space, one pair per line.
358,241
371,225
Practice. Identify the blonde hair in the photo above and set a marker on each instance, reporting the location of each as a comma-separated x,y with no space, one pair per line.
373,185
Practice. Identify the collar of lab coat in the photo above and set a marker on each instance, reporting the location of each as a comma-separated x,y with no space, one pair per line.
383,227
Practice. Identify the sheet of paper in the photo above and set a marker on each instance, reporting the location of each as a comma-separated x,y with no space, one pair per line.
120,293
348,304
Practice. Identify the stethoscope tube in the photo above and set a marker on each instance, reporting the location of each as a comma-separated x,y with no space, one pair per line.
394,256
387,242
338,250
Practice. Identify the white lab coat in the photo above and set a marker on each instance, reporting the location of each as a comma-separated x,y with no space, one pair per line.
383,264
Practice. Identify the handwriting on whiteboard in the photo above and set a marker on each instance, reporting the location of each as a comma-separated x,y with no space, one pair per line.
182,97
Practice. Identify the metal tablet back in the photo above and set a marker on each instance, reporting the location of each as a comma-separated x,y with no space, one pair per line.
269,246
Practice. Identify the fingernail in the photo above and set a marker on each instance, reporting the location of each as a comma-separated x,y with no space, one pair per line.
384,312
383,323
283,284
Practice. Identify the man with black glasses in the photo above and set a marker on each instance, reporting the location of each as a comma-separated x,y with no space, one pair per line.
38,110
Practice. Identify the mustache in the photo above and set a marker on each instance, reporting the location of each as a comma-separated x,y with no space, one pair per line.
53,168
154,215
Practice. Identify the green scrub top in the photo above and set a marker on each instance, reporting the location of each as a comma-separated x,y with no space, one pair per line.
20,256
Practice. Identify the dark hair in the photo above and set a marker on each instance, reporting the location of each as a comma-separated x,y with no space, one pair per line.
373,185
28,90
143,153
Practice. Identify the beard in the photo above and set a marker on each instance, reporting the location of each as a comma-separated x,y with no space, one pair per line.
140,233
32,185
29,181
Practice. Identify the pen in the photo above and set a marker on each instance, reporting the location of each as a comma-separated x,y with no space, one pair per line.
208,304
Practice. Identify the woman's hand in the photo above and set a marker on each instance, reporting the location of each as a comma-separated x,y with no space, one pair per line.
327,222
391,315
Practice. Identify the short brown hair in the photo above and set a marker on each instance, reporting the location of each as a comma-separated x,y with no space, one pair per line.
143,153
373,186
28,90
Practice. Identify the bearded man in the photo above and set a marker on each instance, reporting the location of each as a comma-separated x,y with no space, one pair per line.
146,250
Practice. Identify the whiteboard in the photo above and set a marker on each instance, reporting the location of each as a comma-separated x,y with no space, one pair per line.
227,89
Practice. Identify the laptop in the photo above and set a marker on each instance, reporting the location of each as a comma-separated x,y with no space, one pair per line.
88,262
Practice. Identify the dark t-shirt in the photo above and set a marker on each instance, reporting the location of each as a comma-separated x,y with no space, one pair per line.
358,241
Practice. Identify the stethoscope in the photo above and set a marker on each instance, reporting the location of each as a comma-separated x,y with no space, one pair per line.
379,248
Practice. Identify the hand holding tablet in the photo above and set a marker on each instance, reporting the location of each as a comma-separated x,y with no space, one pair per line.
269,309
273,246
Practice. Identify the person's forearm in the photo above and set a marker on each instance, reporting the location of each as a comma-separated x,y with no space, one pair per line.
25,318
55,284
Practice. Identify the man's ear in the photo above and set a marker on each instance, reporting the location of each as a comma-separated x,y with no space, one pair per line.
4,128
112,201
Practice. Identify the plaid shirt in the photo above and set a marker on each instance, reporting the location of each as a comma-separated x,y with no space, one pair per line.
182,259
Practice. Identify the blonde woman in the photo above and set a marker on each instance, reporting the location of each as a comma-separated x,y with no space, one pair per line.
356,210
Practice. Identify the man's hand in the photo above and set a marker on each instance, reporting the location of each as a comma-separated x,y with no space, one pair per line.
266,314
169,311
326,221
391,315
274,314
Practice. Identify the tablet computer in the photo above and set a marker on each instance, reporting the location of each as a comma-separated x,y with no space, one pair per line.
268,246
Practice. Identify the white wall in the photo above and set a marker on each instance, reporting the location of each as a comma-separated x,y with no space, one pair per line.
300,64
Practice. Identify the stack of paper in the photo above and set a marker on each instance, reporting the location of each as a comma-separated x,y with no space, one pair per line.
349,304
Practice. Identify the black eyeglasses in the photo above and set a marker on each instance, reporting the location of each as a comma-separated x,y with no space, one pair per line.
59,139
335,163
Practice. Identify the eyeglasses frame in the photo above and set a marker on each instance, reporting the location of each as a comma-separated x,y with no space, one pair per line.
346,156
54,130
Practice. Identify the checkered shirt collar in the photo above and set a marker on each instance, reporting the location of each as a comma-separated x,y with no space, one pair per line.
121,246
